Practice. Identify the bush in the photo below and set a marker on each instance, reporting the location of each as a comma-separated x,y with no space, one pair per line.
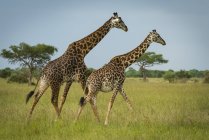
19,76
206,78
5,73
182,74
170,76
132,73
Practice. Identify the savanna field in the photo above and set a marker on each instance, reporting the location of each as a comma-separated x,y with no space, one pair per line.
161,111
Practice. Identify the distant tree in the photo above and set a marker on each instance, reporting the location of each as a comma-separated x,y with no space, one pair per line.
28,56
131,72
196,73
149,59
5,73
19,75
155,73
182,74
170,76
206,78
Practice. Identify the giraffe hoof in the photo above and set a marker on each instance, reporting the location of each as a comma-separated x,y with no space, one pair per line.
106,123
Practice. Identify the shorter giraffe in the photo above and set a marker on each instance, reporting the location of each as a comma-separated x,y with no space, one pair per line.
111,76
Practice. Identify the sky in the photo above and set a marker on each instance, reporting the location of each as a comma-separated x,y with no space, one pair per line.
183,24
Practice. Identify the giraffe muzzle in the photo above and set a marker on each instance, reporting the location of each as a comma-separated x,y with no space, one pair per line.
126,29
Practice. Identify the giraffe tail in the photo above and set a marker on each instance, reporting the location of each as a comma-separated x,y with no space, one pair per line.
82,99
30,94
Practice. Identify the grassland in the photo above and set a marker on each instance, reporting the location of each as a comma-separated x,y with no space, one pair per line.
161,111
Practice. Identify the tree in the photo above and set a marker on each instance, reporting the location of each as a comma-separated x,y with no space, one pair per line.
182,74
5,73
206,78
19,75
196,73
170,76
149,59
28,56
131,72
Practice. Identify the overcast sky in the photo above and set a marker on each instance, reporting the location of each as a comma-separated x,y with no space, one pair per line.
184,25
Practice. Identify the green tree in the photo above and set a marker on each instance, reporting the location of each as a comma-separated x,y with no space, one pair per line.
149,59
131,72
5,73
28,56
170,76
182,74
19,75
206,77
196,73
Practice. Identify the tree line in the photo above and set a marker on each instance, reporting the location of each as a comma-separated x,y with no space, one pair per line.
170,75
21,75
32,59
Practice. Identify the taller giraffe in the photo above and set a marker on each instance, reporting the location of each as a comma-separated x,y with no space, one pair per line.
112,75
70,66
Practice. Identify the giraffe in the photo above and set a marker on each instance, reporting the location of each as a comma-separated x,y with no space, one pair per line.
70,66
112,75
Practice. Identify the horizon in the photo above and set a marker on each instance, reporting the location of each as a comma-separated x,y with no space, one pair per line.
184,28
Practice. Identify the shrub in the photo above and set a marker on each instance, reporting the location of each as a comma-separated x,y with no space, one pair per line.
206,78
170,76
182,74
5,73
19,76
131,72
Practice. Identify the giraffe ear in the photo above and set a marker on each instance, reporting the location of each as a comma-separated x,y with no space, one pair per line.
115,14
154,30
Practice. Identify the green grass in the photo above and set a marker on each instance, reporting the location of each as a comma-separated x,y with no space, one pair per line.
161,111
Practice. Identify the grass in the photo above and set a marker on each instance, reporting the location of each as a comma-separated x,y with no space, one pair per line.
161,111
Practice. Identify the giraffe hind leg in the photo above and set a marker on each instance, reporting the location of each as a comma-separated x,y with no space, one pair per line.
125,97
42,88
54,98
64,96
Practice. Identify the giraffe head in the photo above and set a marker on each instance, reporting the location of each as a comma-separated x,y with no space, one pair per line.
155,37
117,22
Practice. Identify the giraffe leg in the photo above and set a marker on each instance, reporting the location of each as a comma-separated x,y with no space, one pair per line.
54,99
125,97
86,99
42,88
110,106
67,86
94,107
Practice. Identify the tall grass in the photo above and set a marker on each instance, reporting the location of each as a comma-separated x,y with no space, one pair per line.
161,111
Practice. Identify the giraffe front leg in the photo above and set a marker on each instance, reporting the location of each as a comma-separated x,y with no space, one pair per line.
64,96
94,107
125,97
110,106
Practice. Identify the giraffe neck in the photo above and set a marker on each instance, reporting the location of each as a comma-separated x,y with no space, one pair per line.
86,44
129,58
